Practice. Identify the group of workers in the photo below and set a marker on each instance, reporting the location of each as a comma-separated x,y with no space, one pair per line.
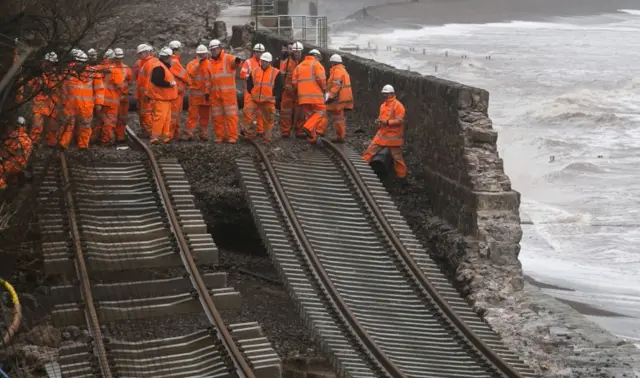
89,99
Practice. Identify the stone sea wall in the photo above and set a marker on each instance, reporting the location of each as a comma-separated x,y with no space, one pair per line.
451,153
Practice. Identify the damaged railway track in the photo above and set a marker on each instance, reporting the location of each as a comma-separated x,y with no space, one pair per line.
379,306
109,227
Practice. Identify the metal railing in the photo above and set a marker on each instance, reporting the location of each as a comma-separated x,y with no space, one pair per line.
311,30
264,8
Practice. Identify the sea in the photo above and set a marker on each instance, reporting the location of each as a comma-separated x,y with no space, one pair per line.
565,99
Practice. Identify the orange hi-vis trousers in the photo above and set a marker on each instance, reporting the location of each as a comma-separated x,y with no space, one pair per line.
316,119
103,128
198,117
262,114
123,119
52,127
77,123
176,117
225,118
288,111
247,100
161,120
396,152
146,114
338,122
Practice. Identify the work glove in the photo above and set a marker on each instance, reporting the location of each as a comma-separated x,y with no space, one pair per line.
239,60
173,83
330,100
98,108
206,97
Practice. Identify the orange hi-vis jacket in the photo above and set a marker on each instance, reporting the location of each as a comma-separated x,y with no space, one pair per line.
391,132
80,91
339,88
124,71
47,97
263,85
248,66
222,76
136,69
180,73
157,93
199,74
287,67
310,79
143,76
16,151
114,83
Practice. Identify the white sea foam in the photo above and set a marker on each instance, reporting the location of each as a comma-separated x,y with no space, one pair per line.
568,90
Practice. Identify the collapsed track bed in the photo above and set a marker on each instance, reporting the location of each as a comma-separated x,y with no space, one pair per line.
139,265
372,314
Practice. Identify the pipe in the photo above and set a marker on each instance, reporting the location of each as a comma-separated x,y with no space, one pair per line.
17,312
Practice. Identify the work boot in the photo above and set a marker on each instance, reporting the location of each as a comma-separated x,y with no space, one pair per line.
402,182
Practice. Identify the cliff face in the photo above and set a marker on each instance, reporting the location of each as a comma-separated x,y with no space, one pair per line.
453,160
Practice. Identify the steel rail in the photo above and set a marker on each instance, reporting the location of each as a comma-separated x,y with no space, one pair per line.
208,305
392,369
481,347
83,273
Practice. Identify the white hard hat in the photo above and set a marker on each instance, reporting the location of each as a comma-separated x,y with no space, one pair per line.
388,89
109,54
259,47
81,56
21,121
266,57
175,45
92,53
143,48
315,52
335,58
118,53
165,51
202,49
51,57
297,46
214,43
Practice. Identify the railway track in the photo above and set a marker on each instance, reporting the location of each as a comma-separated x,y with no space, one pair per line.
380,307
131,244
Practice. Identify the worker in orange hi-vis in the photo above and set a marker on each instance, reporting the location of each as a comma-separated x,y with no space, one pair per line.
162,91
339,96
222,93
145,55
310,81
46,101
114,81
81,90
15,152
183,80
391,132
245,72
288,106
124,71
199,106
265,84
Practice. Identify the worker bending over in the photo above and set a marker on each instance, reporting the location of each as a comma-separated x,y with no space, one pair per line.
46,102
222,93
114,82
288,109
265,86
247,67
162,91
122,70
81,92
141,74
339,96
310,81
391,132
15,153
183,81
199,108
